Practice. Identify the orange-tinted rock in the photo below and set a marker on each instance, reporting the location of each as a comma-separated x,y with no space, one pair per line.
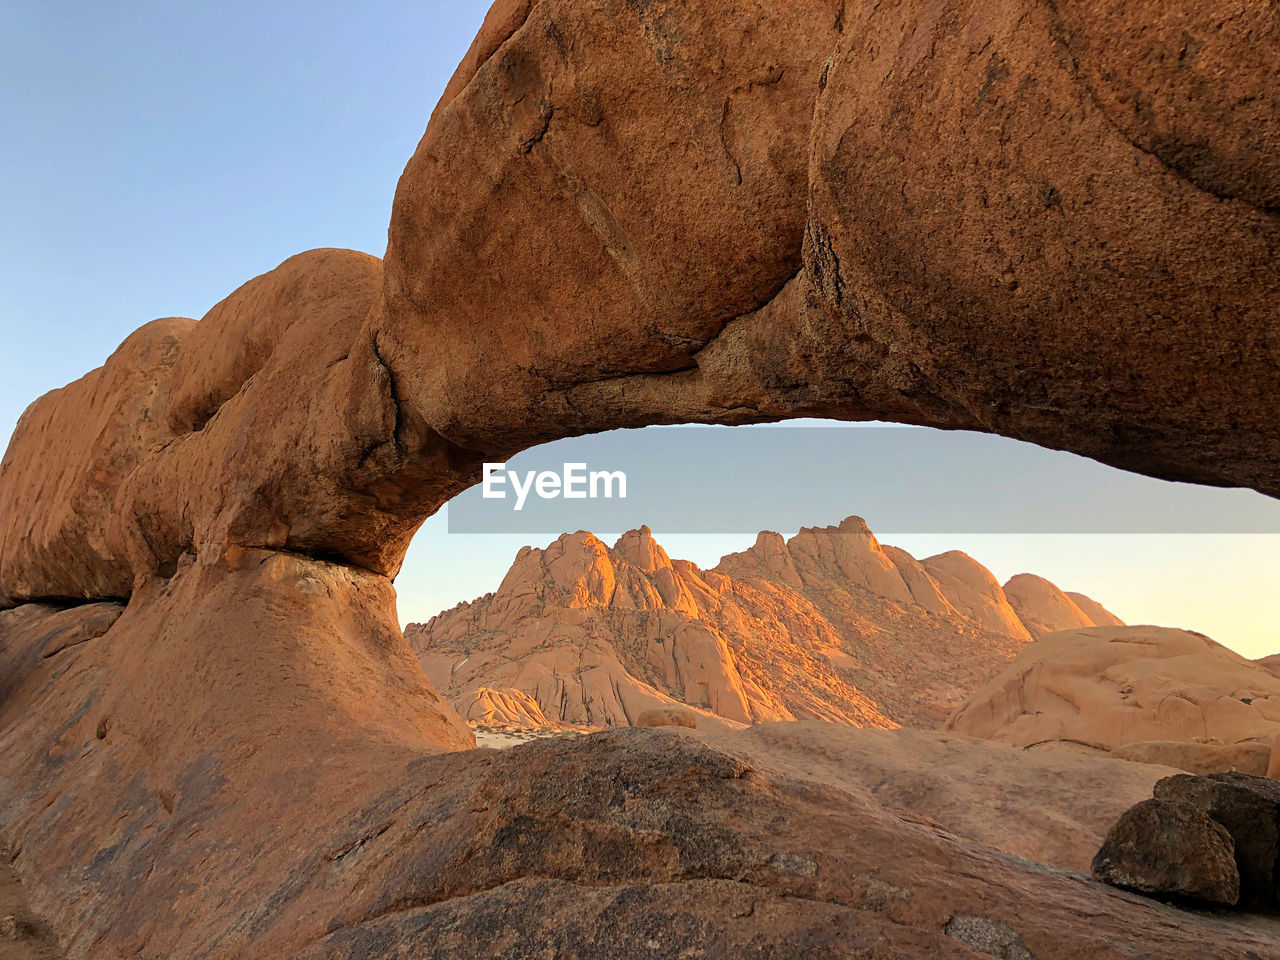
1111,686
971,589
35,632
667,717
1251,756
70,455
1047,213
1043,608
941,306
289,814
508,707
1270,664
216,708
273,423
1194,87
298,455
825,625
1049,808
640,144
1100,615
236,339
939,214
596,636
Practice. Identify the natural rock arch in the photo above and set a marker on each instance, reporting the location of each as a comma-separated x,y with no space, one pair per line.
554,267
621,213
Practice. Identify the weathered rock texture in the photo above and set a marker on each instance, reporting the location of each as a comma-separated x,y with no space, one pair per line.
1047,808
1111,687
1055,222
69,455
1172,849
1251,756
926,212
1053,272
667,717
1249,809
1270,664
1018,200
828,625
23,935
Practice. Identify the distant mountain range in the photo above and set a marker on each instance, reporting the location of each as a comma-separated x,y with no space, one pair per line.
830,624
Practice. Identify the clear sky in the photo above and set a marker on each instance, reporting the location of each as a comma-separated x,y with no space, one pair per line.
157,155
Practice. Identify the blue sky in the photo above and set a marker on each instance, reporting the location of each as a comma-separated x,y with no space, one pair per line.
158,155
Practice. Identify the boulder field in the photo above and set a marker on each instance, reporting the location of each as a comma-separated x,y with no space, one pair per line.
1056,222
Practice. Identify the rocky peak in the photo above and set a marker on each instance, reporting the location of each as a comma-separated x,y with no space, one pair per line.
974,591
848,553
829,624
640,550
768,558
1042,607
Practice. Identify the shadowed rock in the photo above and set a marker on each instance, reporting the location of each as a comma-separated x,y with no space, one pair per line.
1251,757
1169,848
1249,808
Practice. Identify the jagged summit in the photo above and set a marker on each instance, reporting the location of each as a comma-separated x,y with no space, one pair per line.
829,624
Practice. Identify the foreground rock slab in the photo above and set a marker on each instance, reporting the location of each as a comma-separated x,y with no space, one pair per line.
153,826
1046,807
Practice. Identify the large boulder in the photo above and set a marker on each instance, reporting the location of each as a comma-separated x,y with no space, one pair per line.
1171,849
1249,809
1106,687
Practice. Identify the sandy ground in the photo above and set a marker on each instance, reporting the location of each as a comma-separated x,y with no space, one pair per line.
499,738
22,937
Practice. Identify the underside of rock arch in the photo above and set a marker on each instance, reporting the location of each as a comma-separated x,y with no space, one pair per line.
1056,222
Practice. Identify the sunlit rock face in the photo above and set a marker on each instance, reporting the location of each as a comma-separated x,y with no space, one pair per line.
828,625
981,240
1055,222
1108,687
